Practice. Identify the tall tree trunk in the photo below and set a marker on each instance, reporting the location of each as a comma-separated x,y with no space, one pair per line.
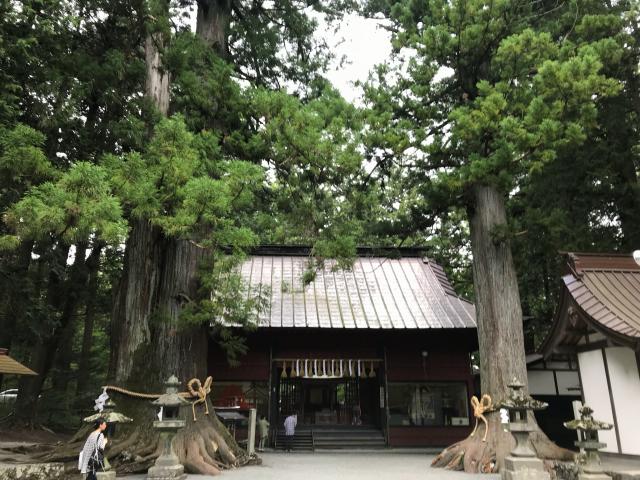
84,362
135,298
15,294
212,24
16,285
500,336
74,291
148,343
157,83
54,346
41,354
498,310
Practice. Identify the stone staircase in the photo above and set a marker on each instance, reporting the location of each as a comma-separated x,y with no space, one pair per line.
302,440
347,437
308,438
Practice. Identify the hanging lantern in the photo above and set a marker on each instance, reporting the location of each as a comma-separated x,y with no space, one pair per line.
284,369
372,372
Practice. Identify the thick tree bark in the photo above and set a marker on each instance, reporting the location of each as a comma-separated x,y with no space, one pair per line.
500,336
212,24
135,298
498,311
148,342
158,78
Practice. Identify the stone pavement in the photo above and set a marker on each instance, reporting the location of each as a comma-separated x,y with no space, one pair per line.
342,466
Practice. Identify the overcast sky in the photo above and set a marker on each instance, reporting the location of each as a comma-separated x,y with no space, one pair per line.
364,44
361,42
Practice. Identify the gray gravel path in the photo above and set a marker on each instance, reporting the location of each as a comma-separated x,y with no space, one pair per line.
343,466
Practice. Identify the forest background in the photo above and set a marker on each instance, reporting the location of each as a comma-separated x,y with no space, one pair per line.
259,148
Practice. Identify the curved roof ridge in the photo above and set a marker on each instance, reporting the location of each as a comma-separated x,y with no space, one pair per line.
610,297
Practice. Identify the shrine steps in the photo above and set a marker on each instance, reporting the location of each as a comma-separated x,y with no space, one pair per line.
333,438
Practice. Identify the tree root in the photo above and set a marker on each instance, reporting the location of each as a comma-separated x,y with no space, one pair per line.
203,447
475,456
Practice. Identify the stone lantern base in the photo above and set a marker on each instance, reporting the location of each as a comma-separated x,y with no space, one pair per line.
593,476
524,468
109,475
166,472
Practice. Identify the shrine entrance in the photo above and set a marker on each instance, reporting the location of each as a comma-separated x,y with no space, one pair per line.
320,400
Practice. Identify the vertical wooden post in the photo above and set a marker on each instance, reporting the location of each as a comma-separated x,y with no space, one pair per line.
386,398
251,443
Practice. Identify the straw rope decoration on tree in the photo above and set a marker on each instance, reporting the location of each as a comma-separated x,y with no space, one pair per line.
201,392
479,408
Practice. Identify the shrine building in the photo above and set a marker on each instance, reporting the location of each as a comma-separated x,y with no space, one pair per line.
596,333
375,356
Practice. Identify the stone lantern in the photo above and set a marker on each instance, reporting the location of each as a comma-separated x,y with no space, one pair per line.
112,418
167,465
590,468
522,463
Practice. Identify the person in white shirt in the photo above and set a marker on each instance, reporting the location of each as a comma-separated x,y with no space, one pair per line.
93,451
289,431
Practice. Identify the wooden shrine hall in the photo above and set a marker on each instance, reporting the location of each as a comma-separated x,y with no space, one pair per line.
597,325
373,356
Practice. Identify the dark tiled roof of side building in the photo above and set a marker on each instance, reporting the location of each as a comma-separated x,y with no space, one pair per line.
600,293
607,288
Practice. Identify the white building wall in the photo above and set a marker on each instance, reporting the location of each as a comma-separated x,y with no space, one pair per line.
568,383
596,393
541,382
625,385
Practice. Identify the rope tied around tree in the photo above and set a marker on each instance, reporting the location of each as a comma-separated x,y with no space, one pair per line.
485,404
195,388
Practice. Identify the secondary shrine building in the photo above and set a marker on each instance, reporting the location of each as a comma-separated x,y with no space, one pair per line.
376,355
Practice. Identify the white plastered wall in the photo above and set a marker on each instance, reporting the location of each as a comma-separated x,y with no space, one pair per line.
568,383
541,382
596,393
625,385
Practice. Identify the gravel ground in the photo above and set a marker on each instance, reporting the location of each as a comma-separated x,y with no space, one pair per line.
342,466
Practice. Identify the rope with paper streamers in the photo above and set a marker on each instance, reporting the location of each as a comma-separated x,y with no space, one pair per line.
327,367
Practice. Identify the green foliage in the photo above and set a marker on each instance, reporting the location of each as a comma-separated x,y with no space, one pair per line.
22,161
77,206
517,95
184,185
